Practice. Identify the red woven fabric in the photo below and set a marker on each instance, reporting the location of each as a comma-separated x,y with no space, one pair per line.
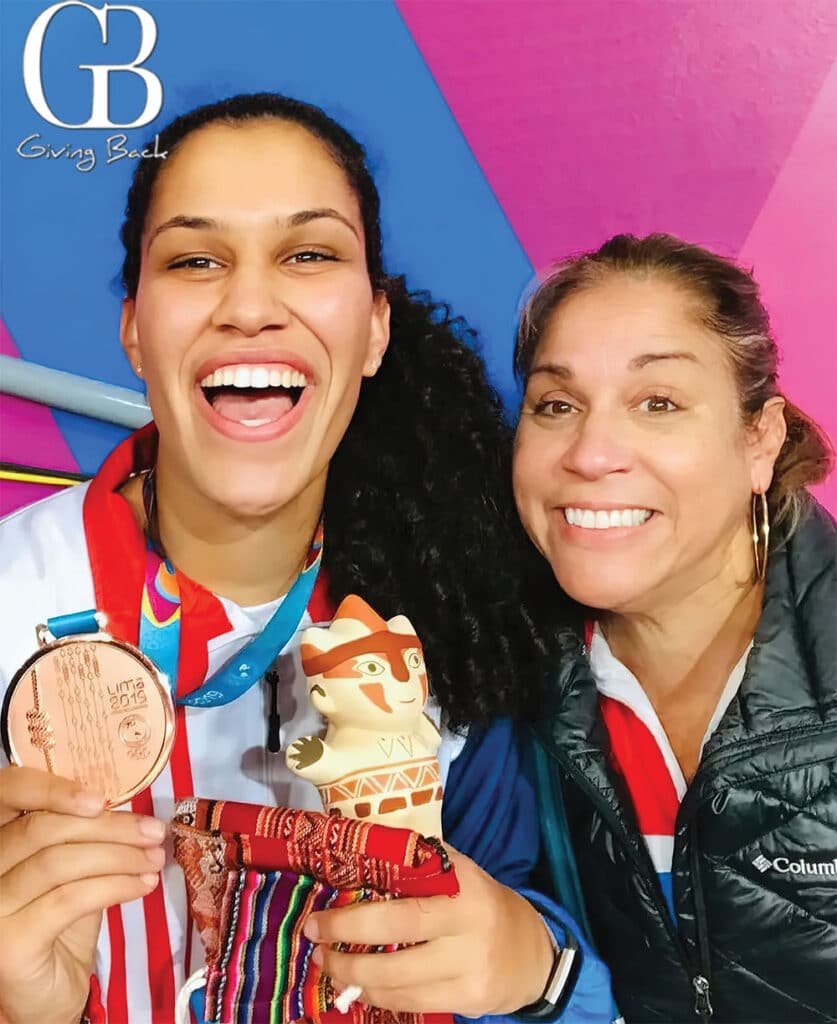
253,874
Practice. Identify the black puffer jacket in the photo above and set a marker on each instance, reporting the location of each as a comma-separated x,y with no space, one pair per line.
755,856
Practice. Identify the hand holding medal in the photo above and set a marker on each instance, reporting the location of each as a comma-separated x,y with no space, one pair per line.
90,708
87,722
63,860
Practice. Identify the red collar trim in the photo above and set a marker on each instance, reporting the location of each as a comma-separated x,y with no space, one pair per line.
115,544
116,548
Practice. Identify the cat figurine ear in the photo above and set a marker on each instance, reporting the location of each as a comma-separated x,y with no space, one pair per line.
377,760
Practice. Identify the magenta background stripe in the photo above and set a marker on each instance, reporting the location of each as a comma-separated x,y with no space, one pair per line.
29,435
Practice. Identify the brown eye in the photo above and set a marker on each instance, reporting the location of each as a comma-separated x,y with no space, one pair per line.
414,659
195,263
658,403
312,256
554,407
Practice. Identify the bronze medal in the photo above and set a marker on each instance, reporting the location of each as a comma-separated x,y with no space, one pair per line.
93,709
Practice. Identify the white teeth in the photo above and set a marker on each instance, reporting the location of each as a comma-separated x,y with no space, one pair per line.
255,423
246,375
588,519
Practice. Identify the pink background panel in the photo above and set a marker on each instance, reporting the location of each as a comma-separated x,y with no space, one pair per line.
792,248
713,120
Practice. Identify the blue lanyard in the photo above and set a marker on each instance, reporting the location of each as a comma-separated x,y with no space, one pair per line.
159,633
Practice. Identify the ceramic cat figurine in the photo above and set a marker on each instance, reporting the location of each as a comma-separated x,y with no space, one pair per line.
377,761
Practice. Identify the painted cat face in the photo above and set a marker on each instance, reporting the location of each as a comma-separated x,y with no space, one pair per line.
365,671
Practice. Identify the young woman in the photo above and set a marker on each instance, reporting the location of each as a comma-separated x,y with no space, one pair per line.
293,383
690,749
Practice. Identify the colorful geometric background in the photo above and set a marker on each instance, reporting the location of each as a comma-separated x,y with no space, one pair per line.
504,134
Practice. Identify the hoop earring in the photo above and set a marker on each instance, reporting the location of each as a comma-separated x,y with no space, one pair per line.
761,535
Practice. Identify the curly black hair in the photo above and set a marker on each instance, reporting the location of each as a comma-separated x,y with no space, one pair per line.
420,518
419,511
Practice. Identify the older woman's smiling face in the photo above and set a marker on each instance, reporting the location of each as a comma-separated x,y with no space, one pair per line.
633,470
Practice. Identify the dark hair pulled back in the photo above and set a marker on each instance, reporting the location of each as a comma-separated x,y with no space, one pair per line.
728,304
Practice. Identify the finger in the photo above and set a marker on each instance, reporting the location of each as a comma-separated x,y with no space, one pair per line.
385,923
453,996
56,911
58,866
419,965
26,789
27,834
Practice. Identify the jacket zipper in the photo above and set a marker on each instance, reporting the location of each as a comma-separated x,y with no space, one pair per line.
699,982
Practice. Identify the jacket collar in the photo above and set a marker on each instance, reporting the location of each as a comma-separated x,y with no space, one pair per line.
789,680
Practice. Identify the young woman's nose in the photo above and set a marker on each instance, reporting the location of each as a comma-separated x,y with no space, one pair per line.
252,301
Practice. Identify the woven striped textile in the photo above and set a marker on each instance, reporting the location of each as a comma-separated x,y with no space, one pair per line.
253,875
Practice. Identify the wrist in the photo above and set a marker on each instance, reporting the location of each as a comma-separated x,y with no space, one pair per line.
566,961
542,961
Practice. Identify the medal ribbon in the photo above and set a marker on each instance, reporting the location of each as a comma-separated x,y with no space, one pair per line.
177,617
159,630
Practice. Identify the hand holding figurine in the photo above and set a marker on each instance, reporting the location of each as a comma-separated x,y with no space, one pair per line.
452,942
377,762
63,861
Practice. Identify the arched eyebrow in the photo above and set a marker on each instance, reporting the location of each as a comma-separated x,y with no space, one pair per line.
637,363
302,217
296,220
551,370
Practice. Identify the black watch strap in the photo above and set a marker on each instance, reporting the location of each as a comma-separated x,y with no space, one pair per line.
559,985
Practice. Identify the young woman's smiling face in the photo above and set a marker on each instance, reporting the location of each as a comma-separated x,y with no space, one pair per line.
254,319
633,470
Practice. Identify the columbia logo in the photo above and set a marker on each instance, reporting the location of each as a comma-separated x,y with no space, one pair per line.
805,868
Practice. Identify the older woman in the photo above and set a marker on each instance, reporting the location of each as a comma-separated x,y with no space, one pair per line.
690,752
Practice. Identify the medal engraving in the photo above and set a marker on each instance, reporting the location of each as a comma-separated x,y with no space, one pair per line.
41,733
92,709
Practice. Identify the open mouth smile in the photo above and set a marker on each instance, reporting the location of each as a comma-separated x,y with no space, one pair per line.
253,401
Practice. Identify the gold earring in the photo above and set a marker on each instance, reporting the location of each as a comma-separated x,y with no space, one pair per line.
761,535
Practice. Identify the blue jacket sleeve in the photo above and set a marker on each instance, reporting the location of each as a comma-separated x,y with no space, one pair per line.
490,814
